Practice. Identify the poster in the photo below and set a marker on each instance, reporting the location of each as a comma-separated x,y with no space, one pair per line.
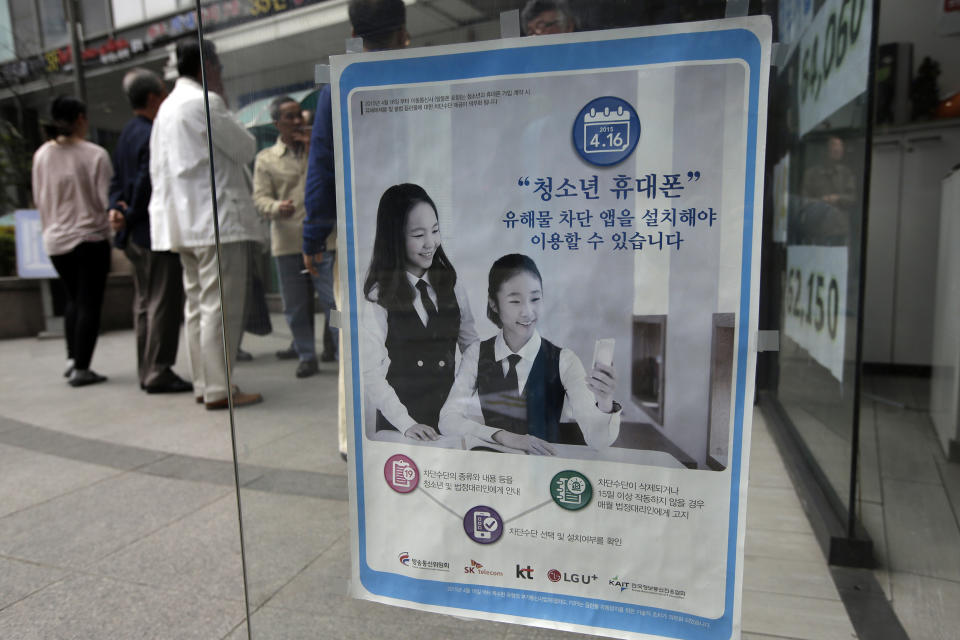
559,436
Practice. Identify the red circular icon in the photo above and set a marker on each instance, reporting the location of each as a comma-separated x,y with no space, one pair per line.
401,473
554,575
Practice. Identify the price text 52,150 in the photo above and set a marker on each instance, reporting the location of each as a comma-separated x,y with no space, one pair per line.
843,30
820,306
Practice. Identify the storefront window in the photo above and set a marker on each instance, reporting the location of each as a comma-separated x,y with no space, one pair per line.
289,449
818,161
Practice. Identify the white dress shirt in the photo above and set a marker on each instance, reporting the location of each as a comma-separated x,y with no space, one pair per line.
376,359
599,429
181,210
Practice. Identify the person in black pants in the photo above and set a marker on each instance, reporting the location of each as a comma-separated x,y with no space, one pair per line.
70,181
83,272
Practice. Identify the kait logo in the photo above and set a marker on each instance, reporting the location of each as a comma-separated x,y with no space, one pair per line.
404,558
554,575
616,582
525,573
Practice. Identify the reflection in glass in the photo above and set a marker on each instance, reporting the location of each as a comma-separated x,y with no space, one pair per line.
649,356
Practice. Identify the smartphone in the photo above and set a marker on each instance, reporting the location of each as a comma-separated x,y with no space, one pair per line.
603,352
479,528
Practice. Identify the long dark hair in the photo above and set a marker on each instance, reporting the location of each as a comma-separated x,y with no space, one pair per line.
387,264
502,270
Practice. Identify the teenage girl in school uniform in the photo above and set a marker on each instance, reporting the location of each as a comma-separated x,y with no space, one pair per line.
523,381
413,317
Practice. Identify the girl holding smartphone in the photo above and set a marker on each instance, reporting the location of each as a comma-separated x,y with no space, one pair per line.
523,381
413,317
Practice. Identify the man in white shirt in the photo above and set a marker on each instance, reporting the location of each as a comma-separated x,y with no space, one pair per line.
182,217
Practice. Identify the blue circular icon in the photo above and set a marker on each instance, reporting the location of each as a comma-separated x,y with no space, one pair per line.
606,131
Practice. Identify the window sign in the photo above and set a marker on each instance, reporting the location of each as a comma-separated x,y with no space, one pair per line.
537,238
815,303
834,58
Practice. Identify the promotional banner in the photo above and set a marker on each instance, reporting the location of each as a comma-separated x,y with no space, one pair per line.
550,255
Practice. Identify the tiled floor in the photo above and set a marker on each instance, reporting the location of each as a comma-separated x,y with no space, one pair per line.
915,518
117,519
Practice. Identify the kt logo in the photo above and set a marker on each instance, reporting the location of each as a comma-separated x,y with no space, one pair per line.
525,573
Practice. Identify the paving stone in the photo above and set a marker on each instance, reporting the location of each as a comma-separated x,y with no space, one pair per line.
29,478
905,452
19,579
776,509
283,535
793,545
76,529
795,617
210,564
789,577
94,608
927,607
922,532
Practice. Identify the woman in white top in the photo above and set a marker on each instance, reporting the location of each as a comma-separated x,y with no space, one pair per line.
413,317
71,178
524,382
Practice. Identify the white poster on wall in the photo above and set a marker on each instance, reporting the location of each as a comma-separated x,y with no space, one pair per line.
550,250
815,303
834,60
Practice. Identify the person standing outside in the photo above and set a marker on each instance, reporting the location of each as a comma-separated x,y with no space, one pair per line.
546,17
382,24
70,181
157,276
181,216
278,183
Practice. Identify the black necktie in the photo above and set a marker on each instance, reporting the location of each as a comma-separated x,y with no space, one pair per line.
511,381
428,305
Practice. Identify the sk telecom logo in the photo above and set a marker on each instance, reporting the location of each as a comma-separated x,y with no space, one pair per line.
477,569
525,573
404,558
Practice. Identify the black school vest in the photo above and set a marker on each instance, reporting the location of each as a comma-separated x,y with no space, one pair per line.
422,358
538,411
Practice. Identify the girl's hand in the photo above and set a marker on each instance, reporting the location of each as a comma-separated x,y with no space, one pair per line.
603,383
528,443
421,432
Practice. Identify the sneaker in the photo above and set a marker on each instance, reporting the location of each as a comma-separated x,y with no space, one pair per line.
307,368
83,377
69,370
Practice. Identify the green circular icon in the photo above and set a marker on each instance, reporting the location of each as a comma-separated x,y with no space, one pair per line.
571,490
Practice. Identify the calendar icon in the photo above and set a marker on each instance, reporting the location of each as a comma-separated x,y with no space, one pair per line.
606,131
